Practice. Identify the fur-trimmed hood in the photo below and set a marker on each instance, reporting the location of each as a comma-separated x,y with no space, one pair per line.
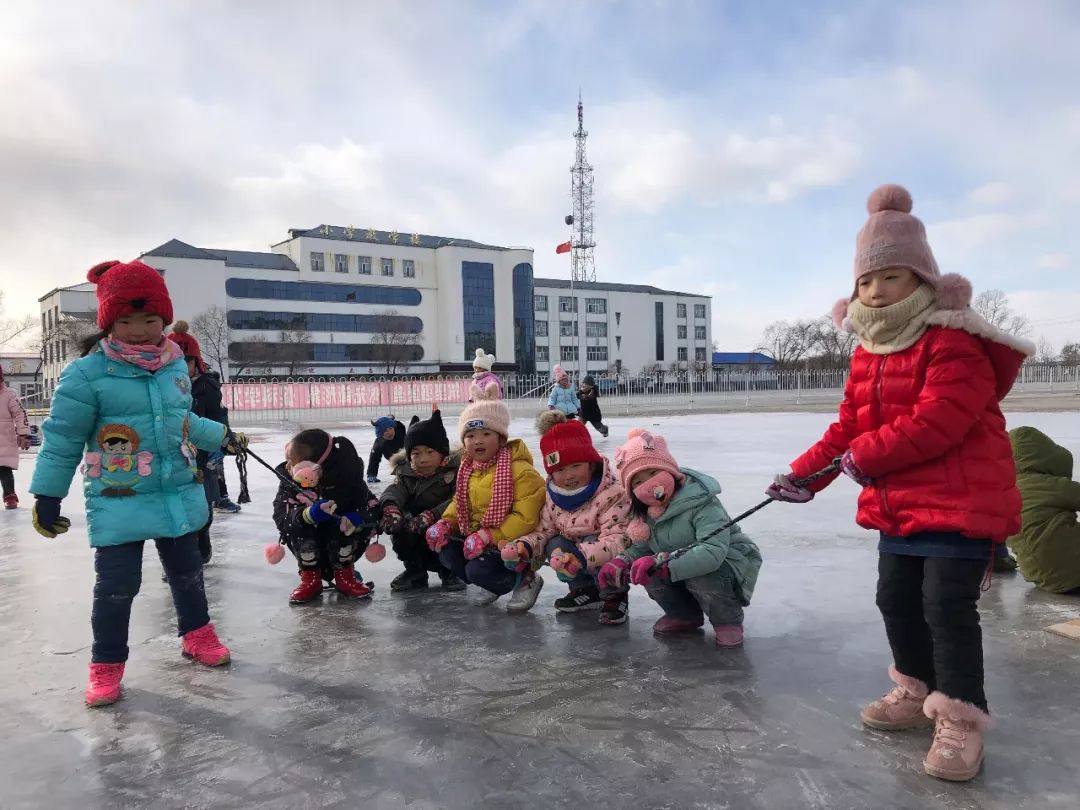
953,295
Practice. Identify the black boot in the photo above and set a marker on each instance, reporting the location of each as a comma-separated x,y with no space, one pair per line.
409,580
451,582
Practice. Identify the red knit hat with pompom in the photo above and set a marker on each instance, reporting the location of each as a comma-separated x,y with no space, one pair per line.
126,288
567,442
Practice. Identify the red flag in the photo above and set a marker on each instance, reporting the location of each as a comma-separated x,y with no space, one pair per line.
563,248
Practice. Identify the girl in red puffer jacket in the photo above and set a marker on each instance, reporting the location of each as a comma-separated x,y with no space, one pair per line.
921,430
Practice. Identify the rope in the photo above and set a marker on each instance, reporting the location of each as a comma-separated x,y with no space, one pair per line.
241,467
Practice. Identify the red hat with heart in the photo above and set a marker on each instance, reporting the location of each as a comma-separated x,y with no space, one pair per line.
126,288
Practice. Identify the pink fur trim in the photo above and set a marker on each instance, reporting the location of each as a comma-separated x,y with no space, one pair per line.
953,291
970,321
839,312
940,705
638,530
913,685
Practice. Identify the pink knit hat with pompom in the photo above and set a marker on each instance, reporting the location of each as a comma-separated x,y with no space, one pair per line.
892,237
644,451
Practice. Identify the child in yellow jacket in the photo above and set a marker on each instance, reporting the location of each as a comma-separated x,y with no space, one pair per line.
497,499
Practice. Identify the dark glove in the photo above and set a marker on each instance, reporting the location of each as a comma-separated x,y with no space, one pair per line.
234,443
48,522
419,524
320,512
351,522
392,519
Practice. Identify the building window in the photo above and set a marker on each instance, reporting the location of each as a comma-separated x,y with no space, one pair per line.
699,354
524,326
680,331
318,262
567,303
596,306
541,354
365,265
699,310
680,310
341,263
408,268
388,267
321,292
618,318
568,353
284,354
595,330
659,331
541,328
699,333
478,299
263,320
568,329
618,341
682,353
540,303
598,353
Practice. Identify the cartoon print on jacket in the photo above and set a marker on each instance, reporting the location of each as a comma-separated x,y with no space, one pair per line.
119,465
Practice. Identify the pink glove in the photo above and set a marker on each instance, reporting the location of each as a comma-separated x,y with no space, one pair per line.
439,535
24,442
476,544
612,576
783,488
642,571
565,564
852,471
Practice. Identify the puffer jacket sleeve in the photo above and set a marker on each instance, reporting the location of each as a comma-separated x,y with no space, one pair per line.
69,426
450,513
530,494
553,397
397,493
206,434
286,513
612,540
545,530
834,443
709,552
959,384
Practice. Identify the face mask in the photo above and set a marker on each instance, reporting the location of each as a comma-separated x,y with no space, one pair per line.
656,493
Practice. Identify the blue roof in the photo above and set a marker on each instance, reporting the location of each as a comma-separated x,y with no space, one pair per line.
176,249
373,236
741,359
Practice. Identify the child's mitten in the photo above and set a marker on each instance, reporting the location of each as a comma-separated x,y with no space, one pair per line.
476,543
784,488
439,535
351,522
613,574
852,470
419,524
392,519
48,522
646,569
320,512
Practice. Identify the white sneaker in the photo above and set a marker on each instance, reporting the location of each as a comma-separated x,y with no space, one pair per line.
525,594
485,597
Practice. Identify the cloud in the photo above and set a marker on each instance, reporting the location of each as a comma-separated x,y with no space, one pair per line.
991,194
1052,261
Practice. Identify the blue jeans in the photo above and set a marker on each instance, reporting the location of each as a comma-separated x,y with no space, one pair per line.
119,576
486,571
715,594
584,579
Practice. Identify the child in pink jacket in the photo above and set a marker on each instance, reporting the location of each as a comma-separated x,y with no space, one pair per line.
583,522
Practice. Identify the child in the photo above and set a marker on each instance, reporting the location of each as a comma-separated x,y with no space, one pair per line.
324,527
426,471
389,439
127,400
14,436
482,375
206,402
921,431
497,499
1048,545
590,408
675,508
563,397
583,523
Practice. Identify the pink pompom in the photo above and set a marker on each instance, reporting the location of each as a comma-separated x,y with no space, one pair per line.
274,553
953,291
638,531
375,552
889,197
635,432
839,312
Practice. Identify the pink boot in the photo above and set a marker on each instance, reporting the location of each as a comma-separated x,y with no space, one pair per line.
103,686
900,709
203,645
728,636
957,751
669,625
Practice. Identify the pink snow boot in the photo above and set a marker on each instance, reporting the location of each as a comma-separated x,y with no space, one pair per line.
203,645
11,501
957,751
900,709
103,685
728,636
669,625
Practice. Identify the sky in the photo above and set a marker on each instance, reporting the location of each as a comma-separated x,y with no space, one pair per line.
734,143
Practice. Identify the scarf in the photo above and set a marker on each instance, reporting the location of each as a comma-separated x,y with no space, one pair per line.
502,491
150,357
569,500
891,329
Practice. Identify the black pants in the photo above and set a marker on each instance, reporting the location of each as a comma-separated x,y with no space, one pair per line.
7,479
487,571
412,549
323,548
119,577
930,607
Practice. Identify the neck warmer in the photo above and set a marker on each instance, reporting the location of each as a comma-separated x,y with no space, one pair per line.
571,500
149,357
891,329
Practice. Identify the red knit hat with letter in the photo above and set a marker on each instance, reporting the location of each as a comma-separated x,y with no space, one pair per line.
126,288
564,442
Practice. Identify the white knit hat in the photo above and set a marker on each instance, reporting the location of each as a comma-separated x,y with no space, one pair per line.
483,360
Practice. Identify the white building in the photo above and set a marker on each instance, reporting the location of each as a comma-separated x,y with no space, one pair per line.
21,374
68,314
354,291
627,328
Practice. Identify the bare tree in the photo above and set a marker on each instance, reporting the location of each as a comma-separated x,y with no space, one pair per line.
249,354
1070,354
1044,352
993,305
393,341
292,350
788,343
59,341
830,347
15,331
212,329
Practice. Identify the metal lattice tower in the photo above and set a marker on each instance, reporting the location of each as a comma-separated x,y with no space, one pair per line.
582,265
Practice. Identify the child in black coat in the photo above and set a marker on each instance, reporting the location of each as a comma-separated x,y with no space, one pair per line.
590,406
329,524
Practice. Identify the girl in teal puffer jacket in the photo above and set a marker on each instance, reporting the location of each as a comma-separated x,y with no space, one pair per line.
124,410
677,508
